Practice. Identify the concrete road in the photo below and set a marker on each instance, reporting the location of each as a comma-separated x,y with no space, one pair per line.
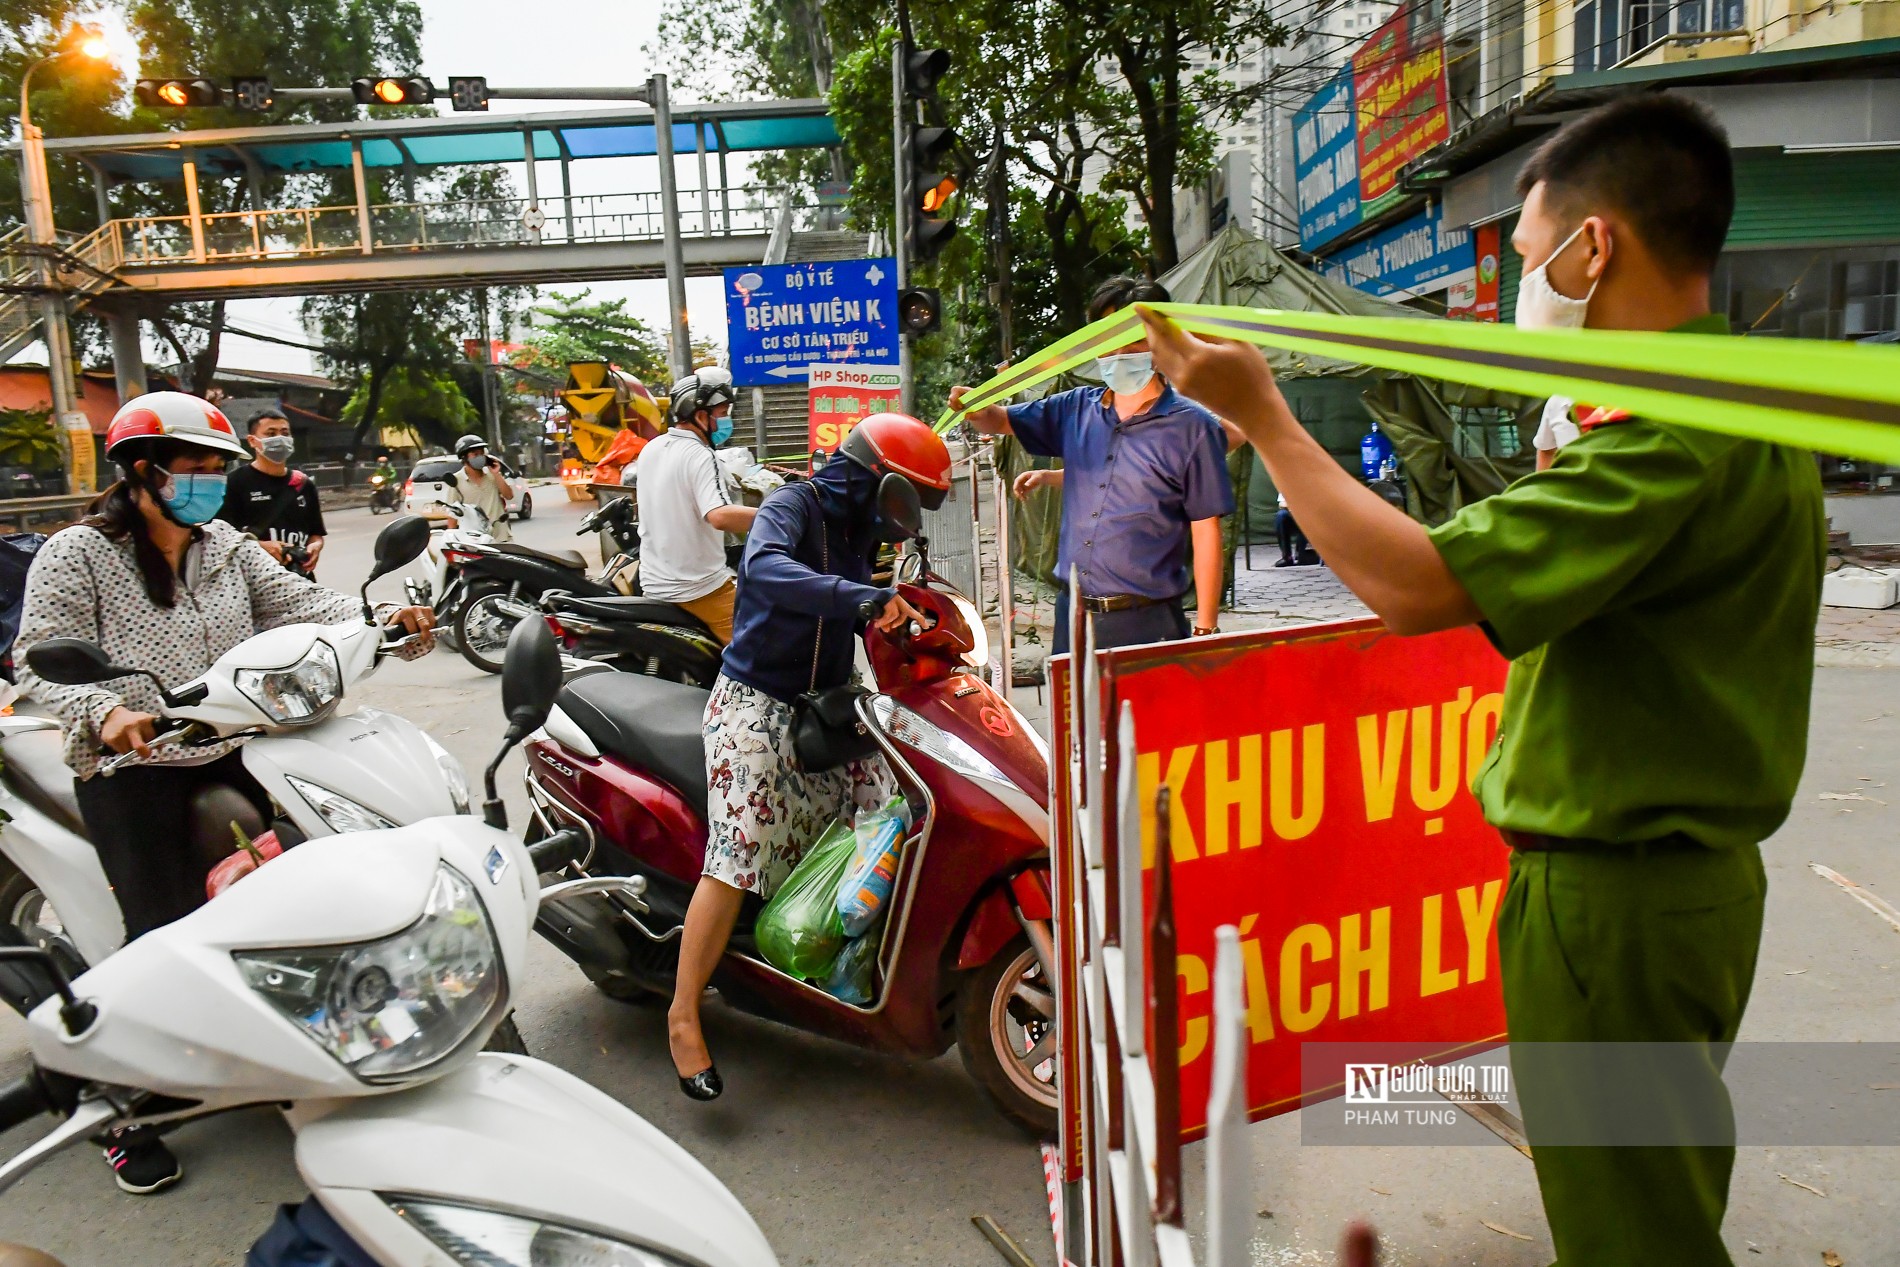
846,1158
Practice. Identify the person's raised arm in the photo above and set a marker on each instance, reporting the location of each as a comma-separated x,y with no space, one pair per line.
1382,555
991,420
1210,570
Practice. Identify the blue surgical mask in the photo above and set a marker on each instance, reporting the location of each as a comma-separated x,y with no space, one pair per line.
193,499
1127,372
722,431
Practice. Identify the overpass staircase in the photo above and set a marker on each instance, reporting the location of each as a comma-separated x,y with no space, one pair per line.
86,267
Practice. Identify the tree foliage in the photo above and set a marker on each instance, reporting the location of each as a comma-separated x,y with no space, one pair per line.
28,438
577,327
428,401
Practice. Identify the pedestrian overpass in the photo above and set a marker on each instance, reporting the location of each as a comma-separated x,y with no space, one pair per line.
127,264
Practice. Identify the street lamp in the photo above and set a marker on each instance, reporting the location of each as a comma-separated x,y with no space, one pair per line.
37,193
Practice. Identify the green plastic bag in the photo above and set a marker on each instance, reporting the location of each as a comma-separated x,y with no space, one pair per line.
799,931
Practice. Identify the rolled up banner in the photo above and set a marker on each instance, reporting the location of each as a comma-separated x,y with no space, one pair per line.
1841,398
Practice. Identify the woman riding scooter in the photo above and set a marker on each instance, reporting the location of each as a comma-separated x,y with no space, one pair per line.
156,581
804,577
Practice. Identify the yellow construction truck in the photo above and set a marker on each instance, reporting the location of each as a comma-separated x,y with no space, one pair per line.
610,417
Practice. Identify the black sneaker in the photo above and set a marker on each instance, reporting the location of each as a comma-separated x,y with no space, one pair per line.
141,1164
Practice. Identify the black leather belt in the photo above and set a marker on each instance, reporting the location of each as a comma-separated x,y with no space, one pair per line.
1119,602
1532,842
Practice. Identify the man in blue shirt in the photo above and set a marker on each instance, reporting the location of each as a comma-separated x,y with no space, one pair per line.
1144,474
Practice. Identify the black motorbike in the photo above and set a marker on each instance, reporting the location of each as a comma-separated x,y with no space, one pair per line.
384,494
492,585
634,634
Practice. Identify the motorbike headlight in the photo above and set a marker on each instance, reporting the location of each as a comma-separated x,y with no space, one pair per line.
340,813
452,774
389,1008
301,692
978,656
933,741
490,1238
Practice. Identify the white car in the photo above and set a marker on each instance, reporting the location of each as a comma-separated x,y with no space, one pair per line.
425,486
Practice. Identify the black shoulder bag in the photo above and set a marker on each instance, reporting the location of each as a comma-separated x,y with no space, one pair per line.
826,730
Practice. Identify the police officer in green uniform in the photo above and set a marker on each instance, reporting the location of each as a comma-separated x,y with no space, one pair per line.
1656,592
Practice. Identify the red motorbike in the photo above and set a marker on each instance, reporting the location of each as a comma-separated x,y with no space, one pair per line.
967,951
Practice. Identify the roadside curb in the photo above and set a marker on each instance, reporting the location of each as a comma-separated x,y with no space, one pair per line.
1857,655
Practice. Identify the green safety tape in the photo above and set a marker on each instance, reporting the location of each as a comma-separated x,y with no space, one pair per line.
1841,398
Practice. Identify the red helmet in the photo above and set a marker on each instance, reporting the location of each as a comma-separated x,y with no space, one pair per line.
170,416
898,444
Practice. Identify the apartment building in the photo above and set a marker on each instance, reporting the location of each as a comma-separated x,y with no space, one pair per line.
1810,95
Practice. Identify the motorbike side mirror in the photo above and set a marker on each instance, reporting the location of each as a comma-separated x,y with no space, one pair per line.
910,568
74,662
898,506
77,662
403,540
530,681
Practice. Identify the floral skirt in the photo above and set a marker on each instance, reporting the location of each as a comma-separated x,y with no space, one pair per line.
763,812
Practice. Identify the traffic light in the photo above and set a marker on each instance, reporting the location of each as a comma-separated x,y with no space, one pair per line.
176,94
932,158
414,90
251,92
919,310
468,92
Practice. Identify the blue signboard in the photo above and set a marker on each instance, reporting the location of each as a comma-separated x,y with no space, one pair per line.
1326,162
1418,255
782,317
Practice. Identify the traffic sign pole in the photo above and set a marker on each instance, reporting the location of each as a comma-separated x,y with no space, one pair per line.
900,227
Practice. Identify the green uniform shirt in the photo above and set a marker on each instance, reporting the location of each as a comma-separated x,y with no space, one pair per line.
1656,591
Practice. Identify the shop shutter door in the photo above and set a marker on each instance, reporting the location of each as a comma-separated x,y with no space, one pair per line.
1808,199
1510,272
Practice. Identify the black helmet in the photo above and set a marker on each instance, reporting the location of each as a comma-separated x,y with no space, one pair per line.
706,389
466,443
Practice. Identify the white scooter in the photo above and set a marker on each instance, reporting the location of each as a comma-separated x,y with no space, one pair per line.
353,981
449,548
331,766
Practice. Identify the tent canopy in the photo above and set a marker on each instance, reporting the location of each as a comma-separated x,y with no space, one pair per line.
1239,268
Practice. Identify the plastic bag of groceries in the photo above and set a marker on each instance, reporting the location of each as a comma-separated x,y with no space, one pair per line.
799,931
850,979
866,887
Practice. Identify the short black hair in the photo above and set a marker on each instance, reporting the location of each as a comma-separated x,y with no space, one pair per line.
250,428
1662,161
1119,292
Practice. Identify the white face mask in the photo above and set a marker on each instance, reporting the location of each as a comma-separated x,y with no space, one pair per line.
1126,373
1540,307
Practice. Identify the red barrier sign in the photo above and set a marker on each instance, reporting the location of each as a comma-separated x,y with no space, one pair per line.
1321,806
841,396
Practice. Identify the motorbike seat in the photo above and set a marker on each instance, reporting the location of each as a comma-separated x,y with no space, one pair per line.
35,765
616,609
655,725
561,558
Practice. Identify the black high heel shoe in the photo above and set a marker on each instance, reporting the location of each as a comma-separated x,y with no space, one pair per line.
704,1085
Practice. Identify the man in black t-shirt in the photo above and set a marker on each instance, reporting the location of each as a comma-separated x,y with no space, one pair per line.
273,503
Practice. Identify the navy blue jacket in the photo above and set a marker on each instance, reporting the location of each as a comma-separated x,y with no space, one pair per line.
785,591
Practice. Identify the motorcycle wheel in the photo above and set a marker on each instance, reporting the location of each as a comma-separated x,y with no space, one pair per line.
507,1038
25,909
1006,1034
481,631
527,508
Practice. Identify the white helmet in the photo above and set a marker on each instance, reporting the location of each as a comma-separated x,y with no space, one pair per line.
706,389
169,416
